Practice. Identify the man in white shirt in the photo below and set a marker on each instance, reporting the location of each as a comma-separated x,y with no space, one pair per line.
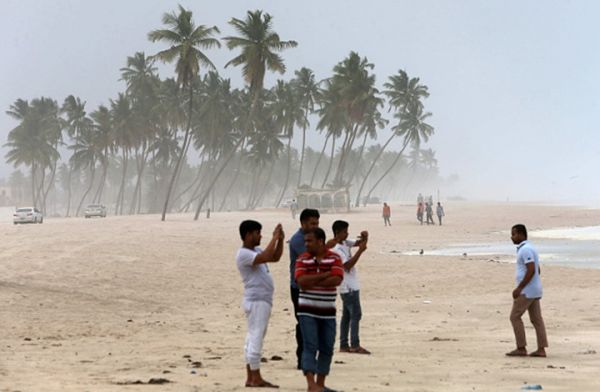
350,287
527,295
258,293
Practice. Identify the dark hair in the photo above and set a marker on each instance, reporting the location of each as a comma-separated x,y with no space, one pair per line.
521,229
317,232
309,213
248,226
338,226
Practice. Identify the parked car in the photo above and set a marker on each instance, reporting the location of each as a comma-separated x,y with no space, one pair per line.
95,210
28,215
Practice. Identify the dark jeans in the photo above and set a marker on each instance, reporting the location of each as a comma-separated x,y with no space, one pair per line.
386,220
318,336
295,292
351,315
440,219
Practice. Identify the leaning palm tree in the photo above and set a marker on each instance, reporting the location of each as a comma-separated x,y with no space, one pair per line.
403,93
307,89
186,40
258,43
414,131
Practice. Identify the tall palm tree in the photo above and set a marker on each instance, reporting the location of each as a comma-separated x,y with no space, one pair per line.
287,111
124,139
403,92
414,131
258,43
76,123
186,40
307,89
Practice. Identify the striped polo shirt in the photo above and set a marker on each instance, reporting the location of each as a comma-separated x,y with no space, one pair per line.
319,301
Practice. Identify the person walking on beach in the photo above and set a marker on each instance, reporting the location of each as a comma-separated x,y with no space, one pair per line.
309,219
350,287
387,213
419,199
527,295
420,210
318,272
258,293
439,210
429,210
294,208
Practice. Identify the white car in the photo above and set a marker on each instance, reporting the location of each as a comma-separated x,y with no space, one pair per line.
95,210
28,215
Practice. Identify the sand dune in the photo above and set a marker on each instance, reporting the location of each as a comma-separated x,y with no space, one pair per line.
96,305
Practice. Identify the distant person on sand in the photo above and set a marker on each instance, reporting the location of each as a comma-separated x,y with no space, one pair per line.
294,208
318,272
350,287
309,219
439,211
419,199
420,210
429,210
527,295
387,213
258,293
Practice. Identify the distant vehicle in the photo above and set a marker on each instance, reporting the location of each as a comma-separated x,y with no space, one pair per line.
95,210
28,215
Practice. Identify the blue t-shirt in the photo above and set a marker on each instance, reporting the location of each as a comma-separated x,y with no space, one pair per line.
297,247
526,254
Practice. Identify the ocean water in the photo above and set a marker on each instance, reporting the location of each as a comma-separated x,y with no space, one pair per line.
571,247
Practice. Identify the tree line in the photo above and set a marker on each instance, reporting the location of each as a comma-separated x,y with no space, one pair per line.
136,150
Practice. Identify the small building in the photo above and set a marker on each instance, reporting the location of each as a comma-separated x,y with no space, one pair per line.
324,200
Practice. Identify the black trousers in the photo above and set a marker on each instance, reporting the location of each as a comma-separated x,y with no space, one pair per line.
295,293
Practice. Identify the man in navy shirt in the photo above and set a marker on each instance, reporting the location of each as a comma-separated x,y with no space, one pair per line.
309,219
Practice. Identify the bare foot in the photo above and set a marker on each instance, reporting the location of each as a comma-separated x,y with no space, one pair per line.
261,384
519,352
359,350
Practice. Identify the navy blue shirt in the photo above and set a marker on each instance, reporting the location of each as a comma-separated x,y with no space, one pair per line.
297,247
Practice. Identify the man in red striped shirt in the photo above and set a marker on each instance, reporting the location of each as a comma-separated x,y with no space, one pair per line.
318,272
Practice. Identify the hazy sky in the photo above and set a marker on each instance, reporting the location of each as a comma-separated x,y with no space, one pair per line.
514,85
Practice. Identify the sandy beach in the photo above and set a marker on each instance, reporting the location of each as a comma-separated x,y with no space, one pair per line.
98,304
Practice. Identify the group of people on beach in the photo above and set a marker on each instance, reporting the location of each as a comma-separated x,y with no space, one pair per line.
425,207
318,269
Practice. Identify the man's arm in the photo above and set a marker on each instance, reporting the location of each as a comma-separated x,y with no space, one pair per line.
307,282
352,262
528,276
331,281
269,254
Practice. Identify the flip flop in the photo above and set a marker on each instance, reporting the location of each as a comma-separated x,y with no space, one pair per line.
537,354
360,350
516,353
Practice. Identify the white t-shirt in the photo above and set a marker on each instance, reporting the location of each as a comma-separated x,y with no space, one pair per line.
527,254
258,283
350,282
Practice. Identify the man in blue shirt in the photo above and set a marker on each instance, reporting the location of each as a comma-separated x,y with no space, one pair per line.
309,219
527,295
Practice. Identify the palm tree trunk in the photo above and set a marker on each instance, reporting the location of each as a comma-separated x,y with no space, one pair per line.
180,159
93,173
216,177
330,163
373,163
312,178
69,189
233,181
33,198
253,189
263,192
287,175
98,195
119,206
389,168
338,172
301,157
359,160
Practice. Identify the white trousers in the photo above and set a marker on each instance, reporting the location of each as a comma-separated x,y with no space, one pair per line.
257,314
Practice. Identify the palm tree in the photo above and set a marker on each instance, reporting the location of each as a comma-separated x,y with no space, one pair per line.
403,93
76,123
105,144
288,113
258,43
186,42
414,130
123,128
307,89
34,141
